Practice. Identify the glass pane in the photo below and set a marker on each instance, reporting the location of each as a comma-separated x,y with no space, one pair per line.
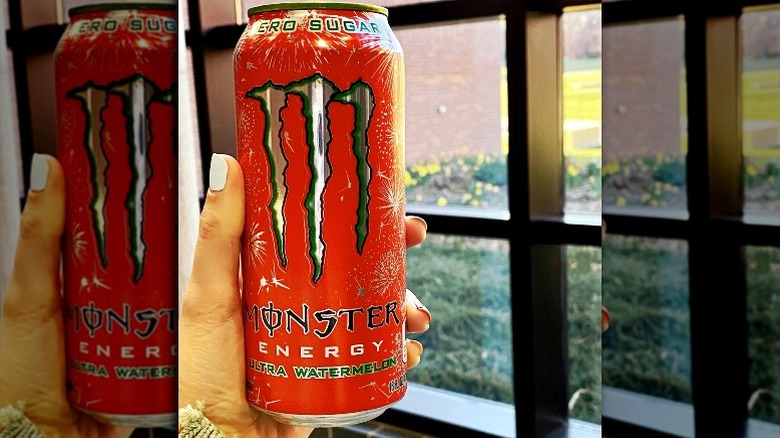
763,279
456,120
644,115
581,32
583,274
645,289
386,3
761,110
465,284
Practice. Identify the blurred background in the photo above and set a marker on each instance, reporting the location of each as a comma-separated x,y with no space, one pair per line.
528,122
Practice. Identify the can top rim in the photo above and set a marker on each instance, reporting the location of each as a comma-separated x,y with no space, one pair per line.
317,5
114,6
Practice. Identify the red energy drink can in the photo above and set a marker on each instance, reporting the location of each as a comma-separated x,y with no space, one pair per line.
320,124
116,73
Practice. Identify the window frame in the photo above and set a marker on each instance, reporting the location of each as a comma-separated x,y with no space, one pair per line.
715,229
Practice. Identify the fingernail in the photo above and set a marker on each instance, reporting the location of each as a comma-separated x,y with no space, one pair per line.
417,345
421,307
420,220
217,173
39,173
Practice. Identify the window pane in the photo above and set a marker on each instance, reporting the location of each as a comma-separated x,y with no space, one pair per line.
456,121
581,32
645,289
465,284
763,279
761,110
583,297
644,115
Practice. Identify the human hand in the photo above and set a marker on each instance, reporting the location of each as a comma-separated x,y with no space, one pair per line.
211,336
32,339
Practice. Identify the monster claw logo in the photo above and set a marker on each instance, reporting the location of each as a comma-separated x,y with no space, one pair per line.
136,94
316,92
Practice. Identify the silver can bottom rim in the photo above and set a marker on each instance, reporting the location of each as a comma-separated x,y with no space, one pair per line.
138,421
330,420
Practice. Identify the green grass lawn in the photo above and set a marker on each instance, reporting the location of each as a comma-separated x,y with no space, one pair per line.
761,95
582,94
468,349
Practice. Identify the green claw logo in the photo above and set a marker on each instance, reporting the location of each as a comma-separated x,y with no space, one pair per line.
137,93
316,92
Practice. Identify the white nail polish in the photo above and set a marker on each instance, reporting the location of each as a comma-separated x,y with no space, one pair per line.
39,173
217,173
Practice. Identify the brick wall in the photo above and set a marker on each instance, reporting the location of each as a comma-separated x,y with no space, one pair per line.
641,88
453,75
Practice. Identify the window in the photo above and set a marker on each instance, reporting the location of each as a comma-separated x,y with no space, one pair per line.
701,254
761,111
581,33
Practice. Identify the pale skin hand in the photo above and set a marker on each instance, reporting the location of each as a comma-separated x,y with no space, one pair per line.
211,335
32,340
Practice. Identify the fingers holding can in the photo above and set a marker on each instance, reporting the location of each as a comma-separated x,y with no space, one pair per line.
418,320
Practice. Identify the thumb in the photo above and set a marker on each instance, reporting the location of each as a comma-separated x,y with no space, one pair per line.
213,287
37,260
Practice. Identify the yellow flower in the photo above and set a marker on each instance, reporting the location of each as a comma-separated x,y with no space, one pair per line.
418,197
572,170
621,201
442,201
433,168
407,177
466,197
751,170
474,203
611,168
448,171
480,158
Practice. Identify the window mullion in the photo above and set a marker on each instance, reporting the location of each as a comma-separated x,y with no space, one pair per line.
717,268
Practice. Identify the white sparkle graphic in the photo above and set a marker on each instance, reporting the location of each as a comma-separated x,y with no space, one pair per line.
257,245
275,282
78,243
90,284
258,397
392,193
376,387
387,271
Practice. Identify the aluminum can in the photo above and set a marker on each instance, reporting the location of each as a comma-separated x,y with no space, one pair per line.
116,72
320,138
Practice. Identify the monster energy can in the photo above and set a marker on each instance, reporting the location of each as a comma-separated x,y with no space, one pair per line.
116,71
320,118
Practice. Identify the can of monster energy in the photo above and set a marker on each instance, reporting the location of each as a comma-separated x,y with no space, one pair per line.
115,72
320,138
